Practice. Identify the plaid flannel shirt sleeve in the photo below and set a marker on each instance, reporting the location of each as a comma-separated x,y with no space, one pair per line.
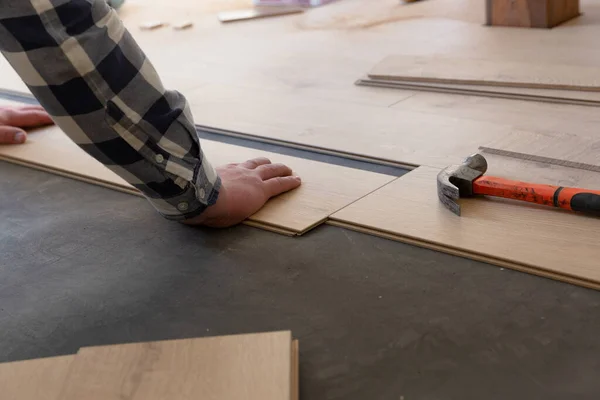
88,72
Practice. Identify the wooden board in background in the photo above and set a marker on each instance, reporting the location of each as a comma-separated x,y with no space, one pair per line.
566,150
257,13
544,95
535,239
530,13
482,71
532,116
247,366
34,379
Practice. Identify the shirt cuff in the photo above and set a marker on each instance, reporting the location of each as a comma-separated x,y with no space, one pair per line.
193,200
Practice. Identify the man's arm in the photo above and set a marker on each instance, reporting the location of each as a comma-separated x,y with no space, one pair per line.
88,72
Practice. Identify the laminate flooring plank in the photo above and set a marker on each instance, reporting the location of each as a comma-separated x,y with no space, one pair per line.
295,370
386,134
34,379
247,366
50,148
531,116
566,150
326,188
546,95
481,71
466,254
536,239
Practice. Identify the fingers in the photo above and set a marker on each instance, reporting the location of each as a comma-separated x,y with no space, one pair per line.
25,117
278,185
255,162
11,135
268,171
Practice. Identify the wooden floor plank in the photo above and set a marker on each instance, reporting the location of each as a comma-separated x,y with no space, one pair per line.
566,150
247,366
537,239
387,134
34,379
326,188
545,95
467,254
481,71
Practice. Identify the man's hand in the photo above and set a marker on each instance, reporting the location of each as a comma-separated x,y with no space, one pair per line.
245,188
12,119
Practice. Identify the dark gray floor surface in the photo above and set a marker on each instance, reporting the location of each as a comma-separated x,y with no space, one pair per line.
82,265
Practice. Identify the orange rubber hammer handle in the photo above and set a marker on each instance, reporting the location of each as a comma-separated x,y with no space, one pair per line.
575,199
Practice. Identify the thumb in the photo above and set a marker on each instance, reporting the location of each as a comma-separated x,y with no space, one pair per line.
12,135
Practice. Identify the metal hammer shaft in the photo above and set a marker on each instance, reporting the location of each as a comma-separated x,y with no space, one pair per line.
575,199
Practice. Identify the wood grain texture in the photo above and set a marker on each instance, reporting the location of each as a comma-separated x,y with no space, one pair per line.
544,95
34,379
522,13
532,116
384,134
249,366
560,11
474,71
565,150
295,379
536,239
531,13
326,188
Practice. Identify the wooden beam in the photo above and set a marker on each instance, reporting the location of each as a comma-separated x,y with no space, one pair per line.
531,13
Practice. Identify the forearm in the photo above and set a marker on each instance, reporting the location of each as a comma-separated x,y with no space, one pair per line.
88,72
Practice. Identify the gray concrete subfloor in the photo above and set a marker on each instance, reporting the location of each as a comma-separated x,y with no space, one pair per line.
82,265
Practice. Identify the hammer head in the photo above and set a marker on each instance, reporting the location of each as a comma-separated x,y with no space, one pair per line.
456,181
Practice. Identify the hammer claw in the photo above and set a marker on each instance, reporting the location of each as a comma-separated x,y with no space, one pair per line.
457,180
448,195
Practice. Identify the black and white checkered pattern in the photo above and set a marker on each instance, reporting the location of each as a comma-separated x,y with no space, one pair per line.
87,71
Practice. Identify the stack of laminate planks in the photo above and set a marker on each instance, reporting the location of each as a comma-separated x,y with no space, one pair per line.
260,366
570,84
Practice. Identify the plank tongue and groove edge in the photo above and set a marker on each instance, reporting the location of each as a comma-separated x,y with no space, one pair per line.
326,188
258,366
473,71
37,379
535,239
566,150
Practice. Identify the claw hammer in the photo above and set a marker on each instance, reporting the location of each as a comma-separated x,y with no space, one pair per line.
467,179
